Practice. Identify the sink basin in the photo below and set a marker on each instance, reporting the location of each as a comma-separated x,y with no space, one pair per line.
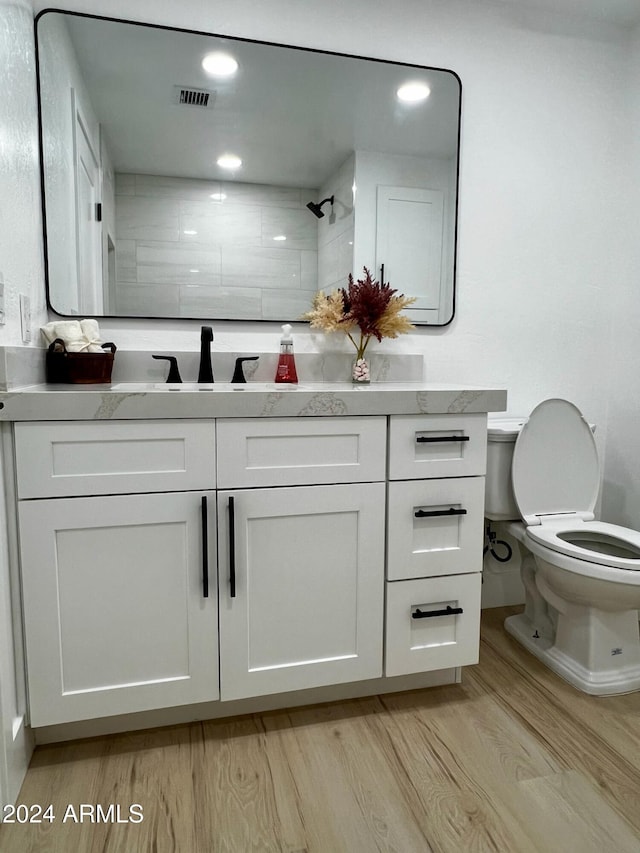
203,387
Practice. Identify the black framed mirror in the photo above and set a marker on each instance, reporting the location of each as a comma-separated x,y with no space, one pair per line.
143,218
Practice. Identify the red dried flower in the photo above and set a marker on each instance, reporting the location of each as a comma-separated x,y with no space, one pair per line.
365,302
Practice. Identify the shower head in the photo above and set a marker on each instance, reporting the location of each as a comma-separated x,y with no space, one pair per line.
316,207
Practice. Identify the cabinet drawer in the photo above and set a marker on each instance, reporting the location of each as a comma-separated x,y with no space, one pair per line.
423,446
65,458
435,527
421,634
300,451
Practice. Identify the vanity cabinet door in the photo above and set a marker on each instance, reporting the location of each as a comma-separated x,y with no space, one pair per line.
301,587
116,616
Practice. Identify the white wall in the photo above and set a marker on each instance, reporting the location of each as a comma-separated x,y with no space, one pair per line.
22,270
621,493
20,220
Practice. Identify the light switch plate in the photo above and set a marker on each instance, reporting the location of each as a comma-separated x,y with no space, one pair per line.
25,318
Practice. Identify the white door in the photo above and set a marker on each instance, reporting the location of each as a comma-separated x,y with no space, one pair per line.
409,240
301,587
88,224
116,615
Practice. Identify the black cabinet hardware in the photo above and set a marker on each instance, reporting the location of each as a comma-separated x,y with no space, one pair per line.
432,439
429,614
232,548
432,513
205,548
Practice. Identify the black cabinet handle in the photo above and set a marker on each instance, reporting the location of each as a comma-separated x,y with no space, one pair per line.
232,548
205,549
431,439
432,513
429,614
381,273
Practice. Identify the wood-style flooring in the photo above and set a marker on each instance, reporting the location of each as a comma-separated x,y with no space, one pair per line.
512,760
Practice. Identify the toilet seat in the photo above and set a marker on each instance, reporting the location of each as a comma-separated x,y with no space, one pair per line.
556,479
564,539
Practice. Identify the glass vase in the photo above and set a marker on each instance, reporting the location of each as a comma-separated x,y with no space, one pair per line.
360,373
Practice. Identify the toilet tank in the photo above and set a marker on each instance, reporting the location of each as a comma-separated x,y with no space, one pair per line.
499,502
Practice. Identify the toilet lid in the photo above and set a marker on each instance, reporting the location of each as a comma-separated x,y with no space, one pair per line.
555,463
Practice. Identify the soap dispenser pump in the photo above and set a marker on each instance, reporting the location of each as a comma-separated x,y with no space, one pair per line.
286,370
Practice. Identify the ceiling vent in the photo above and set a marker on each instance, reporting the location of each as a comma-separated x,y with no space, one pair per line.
190,97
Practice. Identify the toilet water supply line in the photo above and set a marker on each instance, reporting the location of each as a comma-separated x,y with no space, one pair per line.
493,541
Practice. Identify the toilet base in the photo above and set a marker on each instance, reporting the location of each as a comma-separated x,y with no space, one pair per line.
604,682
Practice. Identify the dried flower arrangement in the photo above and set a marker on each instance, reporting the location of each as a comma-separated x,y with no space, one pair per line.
367,304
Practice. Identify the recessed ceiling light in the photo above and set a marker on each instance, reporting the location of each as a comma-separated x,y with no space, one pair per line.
229,161
280,237
413,93
190,232
218,196
219,64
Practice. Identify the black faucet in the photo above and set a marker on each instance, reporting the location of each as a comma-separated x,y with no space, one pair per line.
174,373
205,374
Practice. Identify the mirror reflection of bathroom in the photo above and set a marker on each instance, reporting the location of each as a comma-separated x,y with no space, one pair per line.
212,157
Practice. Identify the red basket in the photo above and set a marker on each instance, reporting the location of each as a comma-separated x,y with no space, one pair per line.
79,368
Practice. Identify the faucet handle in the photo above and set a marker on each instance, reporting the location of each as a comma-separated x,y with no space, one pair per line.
238,373
174,373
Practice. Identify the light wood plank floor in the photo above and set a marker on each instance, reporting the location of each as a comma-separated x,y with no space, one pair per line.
512,760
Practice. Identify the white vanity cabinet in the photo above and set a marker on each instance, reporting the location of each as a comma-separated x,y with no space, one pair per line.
301,565
434,541
119,589
173,562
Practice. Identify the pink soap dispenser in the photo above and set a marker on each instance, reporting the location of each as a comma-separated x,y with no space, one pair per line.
286,370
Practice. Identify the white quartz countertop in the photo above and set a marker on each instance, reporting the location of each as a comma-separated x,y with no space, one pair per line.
126,401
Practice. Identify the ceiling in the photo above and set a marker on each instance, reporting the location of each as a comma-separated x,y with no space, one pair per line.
622,13
294,116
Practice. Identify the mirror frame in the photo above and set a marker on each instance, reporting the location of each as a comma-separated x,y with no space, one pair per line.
163,27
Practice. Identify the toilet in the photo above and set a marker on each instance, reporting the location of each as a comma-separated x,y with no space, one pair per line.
581,576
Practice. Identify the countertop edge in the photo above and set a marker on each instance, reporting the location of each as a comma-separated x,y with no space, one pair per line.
42,403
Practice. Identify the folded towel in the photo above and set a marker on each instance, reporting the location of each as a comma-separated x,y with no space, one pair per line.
78,335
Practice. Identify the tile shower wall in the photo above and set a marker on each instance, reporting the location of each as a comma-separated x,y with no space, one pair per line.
336,231
195,248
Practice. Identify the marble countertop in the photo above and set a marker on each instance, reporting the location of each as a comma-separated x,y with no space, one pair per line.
126,401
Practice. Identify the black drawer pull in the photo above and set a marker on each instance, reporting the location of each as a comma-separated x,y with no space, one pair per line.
432,513
428,614
429,439
232,548
205,549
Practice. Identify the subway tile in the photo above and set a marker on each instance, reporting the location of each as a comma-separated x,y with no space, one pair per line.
220,302
262,194
147,300
125,184
285,304
220,224
145,219
273,267
155,252
309,270
176,188
179,274
298,226
126,260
